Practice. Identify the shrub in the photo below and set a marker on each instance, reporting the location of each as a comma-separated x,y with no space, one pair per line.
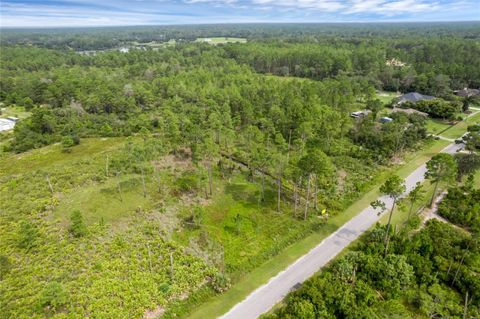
27,235
5,266
221,282
474,128
187,183
53,296
70,141
77,226
164,287
438,108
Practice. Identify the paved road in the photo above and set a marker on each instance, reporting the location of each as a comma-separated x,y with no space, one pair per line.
266,296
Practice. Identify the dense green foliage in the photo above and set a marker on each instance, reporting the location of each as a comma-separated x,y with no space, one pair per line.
436,108
390,138
426,273
462,207
433,68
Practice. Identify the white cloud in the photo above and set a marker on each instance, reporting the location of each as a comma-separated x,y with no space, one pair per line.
320,5
391,8
212,1
30,13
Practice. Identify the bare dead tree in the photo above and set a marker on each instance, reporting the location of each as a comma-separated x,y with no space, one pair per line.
143,183
465,307
119,186
171,265
49,184
307,198
106,166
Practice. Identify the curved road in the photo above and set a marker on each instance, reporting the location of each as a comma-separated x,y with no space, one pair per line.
266,296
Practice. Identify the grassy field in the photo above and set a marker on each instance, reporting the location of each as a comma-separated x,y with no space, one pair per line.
461,127
386,97
218,305
435,126
221,40
15,111
103,201
477,179
53,155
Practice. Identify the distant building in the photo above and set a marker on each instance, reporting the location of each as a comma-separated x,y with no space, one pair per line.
413,97
385,119
360,114
466,92
395,62
7,124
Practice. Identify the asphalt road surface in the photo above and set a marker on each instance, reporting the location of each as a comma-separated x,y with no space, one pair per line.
266,296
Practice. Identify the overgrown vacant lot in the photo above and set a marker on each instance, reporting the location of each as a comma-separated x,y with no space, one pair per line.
154,235
122,266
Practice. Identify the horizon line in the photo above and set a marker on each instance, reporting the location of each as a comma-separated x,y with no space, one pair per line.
236,23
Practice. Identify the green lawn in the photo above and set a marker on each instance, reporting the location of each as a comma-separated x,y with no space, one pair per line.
220,304
221,40
15,111
435,126
461,127
386,97
477,179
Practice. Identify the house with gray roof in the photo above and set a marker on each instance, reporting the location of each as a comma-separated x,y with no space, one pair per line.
413,97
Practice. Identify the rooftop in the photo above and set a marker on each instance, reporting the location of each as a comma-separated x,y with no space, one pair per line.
414,97
7,124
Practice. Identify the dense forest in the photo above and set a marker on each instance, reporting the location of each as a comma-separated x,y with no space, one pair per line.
103,38
182,168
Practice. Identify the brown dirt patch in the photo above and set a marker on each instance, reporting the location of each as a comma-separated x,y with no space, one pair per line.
154,314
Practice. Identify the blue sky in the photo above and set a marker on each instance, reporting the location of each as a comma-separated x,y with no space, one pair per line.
48,13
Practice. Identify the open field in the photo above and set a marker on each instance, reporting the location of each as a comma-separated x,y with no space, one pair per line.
221,40
386,97
461,127
155,44
53,155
